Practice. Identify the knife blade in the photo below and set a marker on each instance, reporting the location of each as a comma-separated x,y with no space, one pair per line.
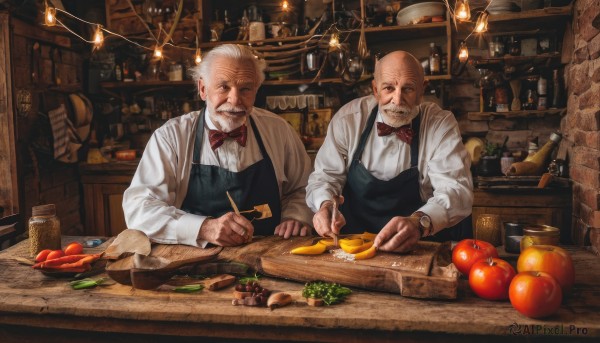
334,211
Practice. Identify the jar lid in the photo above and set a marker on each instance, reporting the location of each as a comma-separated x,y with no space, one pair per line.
43,210
541,230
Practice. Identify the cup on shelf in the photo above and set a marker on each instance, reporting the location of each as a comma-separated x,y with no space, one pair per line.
488,228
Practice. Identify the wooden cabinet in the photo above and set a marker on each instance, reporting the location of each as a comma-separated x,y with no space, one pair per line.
535,206
103,187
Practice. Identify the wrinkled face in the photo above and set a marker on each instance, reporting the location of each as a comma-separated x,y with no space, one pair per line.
398,87
229,92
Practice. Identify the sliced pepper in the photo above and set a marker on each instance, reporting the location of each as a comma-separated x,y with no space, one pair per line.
357,248
314,249
369,253
328,242
351,242
368,236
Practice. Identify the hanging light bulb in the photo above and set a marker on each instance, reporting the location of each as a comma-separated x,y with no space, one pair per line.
482,23
463,52
50,15
198,57
158,52
462,12
285,5
98,37
334,41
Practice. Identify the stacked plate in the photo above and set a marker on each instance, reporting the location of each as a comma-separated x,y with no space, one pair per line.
501,6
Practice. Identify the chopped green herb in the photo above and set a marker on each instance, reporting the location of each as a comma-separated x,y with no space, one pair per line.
331,293
244,280
189,288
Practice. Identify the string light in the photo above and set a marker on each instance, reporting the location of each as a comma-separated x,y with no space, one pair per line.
462,10
98,37
158,52
334,40
463,52
285,5
482,23
50,15
198,56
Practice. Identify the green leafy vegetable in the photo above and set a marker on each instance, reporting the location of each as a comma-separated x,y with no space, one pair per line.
244,280
88,283
189,288
331,293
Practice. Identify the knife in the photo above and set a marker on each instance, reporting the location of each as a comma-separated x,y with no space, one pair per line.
334,211
233,205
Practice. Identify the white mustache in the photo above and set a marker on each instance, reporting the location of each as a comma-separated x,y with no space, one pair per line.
230,108
397,109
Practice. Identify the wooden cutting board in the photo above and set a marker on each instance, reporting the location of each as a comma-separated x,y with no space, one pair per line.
424,273
168,258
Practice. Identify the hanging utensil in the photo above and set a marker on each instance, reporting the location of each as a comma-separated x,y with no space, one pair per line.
362,49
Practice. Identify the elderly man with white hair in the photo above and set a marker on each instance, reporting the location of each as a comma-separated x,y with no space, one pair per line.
179,192
399,164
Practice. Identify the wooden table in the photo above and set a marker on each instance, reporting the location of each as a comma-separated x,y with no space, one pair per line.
34,307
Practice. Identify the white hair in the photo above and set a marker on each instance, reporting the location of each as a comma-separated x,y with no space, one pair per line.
233,51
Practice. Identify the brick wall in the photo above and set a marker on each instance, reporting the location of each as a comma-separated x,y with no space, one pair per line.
581,125
44,179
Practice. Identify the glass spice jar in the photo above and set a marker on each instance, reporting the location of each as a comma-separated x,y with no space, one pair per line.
44,229
540,235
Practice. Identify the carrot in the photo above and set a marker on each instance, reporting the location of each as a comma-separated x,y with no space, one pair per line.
66,259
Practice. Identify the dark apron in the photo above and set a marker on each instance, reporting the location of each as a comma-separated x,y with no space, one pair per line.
370,203
255,185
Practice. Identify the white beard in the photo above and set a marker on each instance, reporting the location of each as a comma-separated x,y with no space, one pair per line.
397,116
223,121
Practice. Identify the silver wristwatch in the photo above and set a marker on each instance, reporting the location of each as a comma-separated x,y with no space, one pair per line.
424,223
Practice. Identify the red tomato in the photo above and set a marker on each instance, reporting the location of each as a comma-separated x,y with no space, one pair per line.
74,248
55,254
469,251
550,259
490,278
535,294
42,255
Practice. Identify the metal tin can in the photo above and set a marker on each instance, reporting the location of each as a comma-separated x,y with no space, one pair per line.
540,235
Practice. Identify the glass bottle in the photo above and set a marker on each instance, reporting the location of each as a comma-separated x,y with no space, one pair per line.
435,59
44,229
556,90
542,87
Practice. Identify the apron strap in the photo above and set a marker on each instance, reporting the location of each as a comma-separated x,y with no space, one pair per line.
365,134
414,147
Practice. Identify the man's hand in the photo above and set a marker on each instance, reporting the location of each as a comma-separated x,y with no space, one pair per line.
322,220
291,227
400,234
228,230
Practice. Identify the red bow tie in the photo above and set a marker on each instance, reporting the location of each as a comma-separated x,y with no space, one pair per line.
404,133
217,137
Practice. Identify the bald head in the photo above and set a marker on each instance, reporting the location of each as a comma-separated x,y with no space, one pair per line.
398,86
401,61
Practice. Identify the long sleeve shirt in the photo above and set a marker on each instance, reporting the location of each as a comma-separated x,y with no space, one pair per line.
445,181
153,201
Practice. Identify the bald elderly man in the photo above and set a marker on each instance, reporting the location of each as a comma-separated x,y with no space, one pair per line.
398,162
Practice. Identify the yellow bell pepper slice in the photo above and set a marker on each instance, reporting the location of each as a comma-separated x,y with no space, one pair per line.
351,242
369,253
315,249
368,236
356,249
327,242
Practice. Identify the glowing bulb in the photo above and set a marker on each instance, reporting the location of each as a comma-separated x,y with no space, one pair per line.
198,57
285,5
463,53
98,37
462,10
50,15
158,52
482,23
334,41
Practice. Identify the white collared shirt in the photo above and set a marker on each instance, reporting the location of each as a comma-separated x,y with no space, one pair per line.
152,203
444,165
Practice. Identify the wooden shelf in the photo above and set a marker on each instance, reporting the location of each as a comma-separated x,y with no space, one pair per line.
542,13
515,114
515,60
145,84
